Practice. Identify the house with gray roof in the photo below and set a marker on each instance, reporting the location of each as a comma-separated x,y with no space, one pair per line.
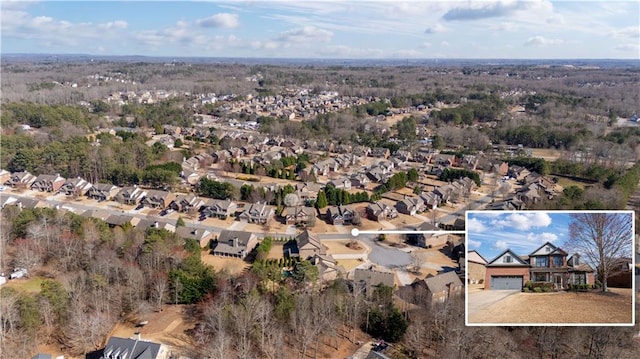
411,205
75,186
234,244
257,213
379,211
20,179
158,199
121,348
130,195
340,215
309,246
368,278
188,203
103,191
219,208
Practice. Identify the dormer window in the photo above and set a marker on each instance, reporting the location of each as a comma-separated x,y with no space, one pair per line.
548,249
508,259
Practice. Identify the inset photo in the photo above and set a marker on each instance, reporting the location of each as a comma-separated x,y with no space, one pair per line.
571,268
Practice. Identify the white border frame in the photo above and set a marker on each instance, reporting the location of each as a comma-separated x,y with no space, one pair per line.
633,281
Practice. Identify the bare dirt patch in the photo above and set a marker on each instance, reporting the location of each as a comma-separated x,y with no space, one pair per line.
233,266
562,307
167,327
340,247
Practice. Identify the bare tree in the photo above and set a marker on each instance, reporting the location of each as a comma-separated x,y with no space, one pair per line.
159,289
603,238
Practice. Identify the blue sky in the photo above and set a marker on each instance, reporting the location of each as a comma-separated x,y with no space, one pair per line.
326,29
491,232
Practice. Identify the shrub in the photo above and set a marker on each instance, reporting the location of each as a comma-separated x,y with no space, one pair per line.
537,289
570,287
526,290
546,289
528,284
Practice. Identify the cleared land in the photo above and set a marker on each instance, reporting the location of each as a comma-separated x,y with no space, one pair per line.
562,307
233,266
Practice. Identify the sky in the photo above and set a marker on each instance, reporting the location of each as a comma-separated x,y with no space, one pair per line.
508,29
492,232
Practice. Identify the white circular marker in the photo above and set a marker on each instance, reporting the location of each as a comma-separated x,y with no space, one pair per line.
355,232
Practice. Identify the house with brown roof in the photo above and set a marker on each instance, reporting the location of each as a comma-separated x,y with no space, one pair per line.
200,235
442,287
158,199
308,245
411,205
379,211
234,244
476,267
300,216
48,183
328,268
366,279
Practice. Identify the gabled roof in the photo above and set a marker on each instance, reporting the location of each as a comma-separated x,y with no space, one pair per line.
475,257
556,249
134,349
306,238
441,282
515,257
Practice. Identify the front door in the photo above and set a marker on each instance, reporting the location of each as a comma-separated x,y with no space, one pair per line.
558,281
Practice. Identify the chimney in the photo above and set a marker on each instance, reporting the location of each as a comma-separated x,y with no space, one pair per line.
137,336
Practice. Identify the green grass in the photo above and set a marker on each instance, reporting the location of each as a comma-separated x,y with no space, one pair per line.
566,182
31,285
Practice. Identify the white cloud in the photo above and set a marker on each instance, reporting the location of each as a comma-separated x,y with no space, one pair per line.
501,245
542,237
118,24
475,225
444,44
437,28
474,244
425,45
628,47
307,34
524,221
407,53
223,20
541,41
470,11
632,32
504,26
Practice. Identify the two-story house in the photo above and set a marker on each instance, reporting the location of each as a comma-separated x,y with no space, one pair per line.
299,216
218,208
340,215
257,213
548,263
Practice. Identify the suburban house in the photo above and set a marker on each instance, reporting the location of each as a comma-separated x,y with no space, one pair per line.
130,195
20,179
75,186
219,208
379,211
200,235
48,183
430,199
103,191
299,216
411,205
158,199
234,244
424,238
119,220
188,203
4,176
548,264
340,215
309,246
120,348
621,274
257,213
432,290
366,279
342,183
328,268
380,152
476,267
443,286
444,160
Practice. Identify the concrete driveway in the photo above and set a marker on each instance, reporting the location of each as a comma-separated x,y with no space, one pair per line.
482,299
